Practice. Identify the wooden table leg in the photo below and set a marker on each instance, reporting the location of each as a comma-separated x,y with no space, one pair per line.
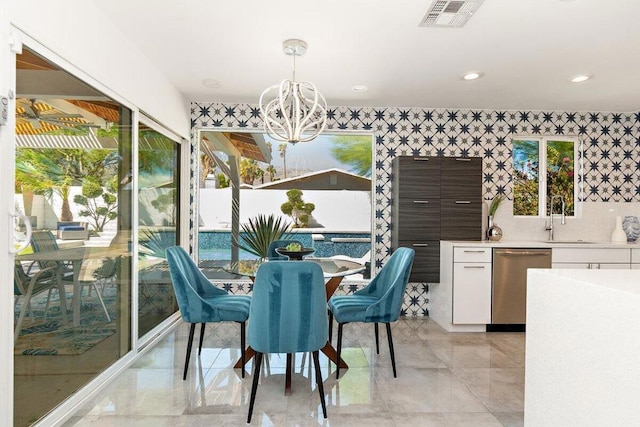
332,354
248,354
332,285
287,377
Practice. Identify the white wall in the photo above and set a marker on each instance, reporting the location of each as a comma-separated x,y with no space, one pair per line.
76,31
335,210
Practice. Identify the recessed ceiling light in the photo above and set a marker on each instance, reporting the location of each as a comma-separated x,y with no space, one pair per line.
472,75
360,88
212,83
581,78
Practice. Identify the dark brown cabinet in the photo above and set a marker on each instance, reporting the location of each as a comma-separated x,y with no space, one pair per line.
435,198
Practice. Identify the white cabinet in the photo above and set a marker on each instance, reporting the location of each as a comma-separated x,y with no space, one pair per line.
635,259
591,258
471,285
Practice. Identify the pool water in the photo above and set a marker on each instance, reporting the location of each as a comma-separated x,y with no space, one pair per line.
216,245
222,254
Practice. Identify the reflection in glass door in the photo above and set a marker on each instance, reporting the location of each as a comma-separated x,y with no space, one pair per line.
73,283
158,213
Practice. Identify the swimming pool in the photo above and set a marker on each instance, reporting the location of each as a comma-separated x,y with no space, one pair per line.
216,244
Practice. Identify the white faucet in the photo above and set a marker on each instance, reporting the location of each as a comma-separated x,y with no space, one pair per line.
550,226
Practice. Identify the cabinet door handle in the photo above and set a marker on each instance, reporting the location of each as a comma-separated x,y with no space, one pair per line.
462,159
421,202
463,202
420,159
473,266
421,245
474,252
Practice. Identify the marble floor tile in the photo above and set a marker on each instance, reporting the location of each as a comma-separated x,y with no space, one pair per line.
499,389
447,419
444,379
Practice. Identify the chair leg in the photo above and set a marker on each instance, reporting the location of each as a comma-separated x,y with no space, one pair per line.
104,307
375,327
393,357
26,303
330,325
46,306
201,339
316,362
189,344
242,345
254,387
339,349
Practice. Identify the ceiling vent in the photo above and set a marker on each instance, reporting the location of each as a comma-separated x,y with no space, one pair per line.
450,13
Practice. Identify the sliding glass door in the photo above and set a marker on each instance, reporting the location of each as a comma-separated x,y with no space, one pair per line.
158,220
73,185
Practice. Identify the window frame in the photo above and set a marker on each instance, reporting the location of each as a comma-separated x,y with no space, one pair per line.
542,178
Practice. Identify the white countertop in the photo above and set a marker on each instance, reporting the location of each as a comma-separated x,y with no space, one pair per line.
542,244
583,341
615,280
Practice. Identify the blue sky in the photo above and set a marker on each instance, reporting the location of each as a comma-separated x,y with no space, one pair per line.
312,155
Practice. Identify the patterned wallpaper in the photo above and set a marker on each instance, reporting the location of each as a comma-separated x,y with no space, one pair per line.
611,145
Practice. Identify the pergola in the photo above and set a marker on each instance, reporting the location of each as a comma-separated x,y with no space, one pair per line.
234,145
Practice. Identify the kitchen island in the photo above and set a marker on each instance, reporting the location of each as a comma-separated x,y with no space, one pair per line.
582,348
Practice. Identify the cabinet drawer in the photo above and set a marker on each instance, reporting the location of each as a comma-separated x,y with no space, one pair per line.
591,255
635,256
461,178
461,219
471,254
426,264
419,220
417,177
591,265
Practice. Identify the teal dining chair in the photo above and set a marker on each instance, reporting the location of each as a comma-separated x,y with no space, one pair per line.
288,315
273,255
202,302
378,302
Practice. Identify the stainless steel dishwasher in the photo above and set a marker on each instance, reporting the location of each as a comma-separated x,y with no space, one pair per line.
509,294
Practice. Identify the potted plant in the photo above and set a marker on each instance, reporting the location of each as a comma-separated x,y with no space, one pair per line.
259,232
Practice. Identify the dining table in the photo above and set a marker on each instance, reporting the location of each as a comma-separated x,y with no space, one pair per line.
76,256
334,271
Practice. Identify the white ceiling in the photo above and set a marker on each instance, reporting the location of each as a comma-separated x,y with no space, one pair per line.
527,50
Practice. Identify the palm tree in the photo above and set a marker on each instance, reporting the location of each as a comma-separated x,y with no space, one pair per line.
282,148
249,171
271,170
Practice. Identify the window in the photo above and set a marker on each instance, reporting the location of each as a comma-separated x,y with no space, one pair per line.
332,173
533,190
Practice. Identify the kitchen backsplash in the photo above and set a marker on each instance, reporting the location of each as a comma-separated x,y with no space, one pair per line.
611,147
595,223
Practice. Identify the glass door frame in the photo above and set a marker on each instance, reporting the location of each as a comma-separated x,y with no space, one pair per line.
183,226
7,137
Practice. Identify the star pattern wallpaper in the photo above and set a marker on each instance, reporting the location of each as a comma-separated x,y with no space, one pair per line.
610,150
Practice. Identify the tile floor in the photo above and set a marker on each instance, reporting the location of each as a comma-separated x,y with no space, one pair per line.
444,379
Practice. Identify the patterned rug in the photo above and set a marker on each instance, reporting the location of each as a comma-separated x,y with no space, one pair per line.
54,338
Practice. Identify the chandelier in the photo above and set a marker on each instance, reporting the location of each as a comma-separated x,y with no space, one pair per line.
293,111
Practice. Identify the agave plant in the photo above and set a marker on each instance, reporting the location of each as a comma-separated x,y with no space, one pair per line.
154,244
260,231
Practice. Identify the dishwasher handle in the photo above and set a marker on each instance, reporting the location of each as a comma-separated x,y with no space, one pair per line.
520,252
